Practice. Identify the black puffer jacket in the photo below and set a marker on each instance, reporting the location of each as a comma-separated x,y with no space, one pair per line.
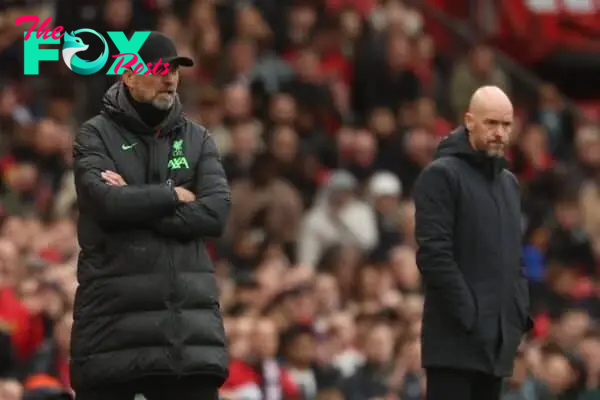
147,302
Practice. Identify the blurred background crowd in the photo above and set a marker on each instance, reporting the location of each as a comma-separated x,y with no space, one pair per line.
325,111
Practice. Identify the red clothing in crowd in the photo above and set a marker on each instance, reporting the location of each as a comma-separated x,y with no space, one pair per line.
336,66
333,65
530,171
362,7
441,128
426,72
63,371
243,378
26,330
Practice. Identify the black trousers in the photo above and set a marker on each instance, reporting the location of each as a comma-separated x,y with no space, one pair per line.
456,384
155,388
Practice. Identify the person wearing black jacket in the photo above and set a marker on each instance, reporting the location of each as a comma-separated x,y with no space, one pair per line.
468,228
151,189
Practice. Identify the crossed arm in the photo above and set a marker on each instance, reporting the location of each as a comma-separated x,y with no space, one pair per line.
205,212
173,212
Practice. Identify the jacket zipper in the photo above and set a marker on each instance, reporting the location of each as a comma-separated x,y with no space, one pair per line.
153,161
174,295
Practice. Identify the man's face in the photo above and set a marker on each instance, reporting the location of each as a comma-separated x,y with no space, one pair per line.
237,103
303,349
308,67
425,111
557,373
245,140
285,144
380,344
490,130
283,109
265,339
118,13
339,198
382,122
159,90
243,57
482,60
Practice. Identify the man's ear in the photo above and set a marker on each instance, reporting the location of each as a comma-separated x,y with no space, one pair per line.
128,76
469,121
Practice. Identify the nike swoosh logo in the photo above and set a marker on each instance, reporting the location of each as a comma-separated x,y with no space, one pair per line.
128,147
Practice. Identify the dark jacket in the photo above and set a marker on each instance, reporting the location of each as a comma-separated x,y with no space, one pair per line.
369,381
8,363
45,361
468,227
147,302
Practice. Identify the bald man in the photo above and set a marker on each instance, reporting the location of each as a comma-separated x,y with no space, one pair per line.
468,228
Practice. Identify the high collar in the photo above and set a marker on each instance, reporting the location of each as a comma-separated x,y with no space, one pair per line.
147,112
119,105
457,145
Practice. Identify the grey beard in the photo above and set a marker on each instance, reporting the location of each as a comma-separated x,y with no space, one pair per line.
164,104
495,153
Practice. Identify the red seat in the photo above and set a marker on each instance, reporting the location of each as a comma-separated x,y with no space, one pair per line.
528,35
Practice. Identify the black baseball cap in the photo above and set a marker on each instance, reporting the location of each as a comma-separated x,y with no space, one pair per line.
159,46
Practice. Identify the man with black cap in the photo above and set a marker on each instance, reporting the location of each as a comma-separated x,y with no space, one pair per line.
150,189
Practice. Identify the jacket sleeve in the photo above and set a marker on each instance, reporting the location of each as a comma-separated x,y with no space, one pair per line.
434,231
523,284
523,290
112,204
207,216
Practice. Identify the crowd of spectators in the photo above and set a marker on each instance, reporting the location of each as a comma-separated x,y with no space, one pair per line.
324,112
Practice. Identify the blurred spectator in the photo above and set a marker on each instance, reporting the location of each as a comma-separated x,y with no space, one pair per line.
394,84
370,380
300,346
427,117
264,202
522,385
261,375
478,69
337,218
557,121
385,190
52,358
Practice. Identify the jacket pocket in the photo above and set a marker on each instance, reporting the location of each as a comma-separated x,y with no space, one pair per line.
523,315
469,321
521,303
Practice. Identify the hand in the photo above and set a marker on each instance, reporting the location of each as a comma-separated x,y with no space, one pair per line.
184,195
113,179
341,96
11,389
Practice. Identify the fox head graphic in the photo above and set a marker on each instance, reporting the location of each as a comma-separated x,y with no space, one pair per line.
73,45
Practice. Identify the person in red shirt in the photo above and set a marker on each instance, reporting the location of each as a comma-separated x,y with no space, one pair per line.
533,156
426,117
26,330
52,358
261,376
